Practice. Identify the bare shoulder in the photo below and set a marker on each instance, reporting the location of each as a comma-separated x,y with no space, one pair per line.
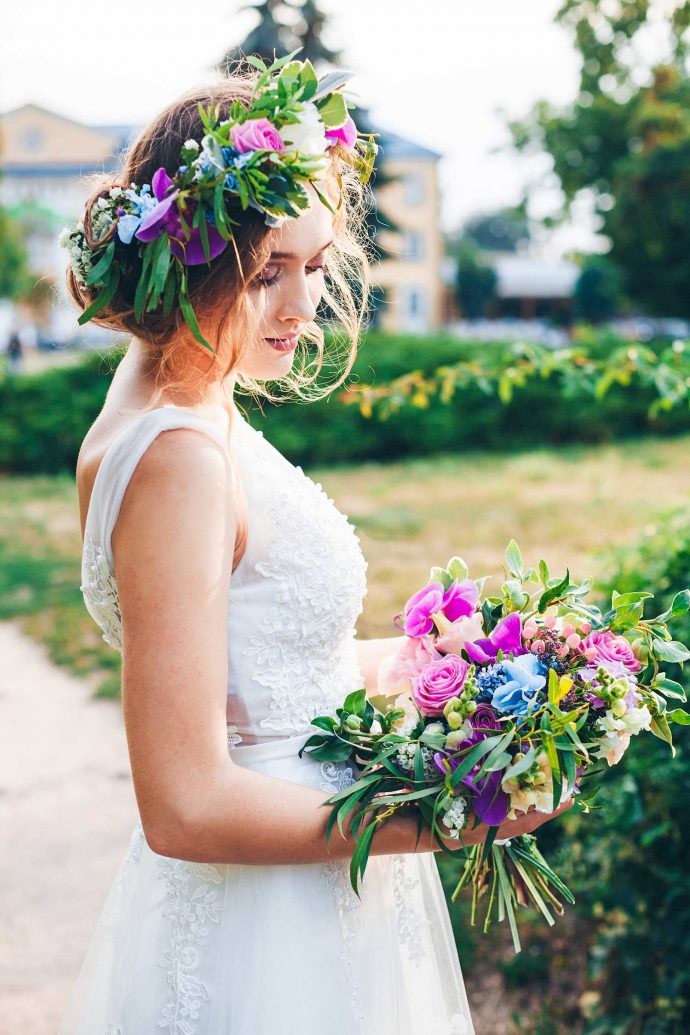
182,486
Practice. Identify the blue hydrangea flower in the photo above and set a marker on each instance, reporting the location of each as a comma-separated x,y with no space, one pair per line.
520,694
488,680
230,181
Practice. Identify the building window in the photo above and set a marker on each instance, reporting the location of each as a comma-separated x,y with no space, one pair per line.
414,308
414,189
413,248
32,139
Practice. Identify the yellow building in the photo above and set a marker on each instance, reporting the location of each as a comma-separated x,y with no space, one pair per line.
411,274
45,162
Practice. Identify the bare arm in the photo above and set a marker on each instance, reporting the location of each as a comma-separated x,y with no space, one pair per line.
173,546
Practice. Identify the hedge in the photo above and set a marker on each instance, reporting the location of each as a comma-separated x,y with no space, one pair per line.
43,417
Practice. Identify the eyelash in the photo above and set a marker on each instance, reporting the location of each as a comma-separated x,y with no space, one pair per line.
266,281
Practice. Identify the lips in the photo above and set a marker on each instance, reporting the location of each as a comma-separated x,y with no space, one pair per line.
283,344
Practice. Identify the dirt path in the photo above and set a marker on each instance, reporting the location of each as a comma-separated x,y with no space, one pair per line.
67,809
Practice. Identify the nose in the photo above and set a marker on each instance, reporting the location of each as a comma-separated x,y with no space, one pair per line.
296,306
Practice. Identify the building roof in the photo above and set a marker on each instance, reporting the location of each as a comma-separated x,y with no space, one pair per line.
394,146
521,276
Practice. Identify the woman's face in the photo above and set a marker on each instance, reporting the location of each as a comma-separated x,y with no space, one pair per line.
288,290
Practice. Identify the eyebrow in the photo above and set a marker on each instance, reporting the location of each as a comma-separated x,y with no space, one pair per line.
291,255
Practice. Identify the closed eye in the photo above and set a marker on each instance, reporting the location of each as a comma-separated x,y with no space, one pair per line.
265,278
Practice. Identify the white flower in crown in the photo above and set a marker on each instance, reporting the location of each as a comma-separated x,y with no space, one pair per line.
308,136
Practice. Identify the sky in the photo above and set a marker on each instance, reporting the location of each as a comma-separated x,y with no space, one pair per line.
437,71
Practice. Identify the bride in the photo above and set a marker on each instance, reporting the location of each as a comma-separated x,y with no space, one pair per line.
231,585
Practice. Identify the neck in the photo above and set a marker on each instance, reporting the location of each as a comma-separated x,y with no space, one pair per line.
215,400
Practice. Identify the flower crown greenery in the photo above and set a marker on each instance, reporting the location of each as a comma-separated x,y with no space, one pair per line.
263,154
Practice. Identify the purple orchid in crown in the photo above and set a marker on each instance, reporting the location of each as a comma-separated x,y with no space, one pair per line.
164,218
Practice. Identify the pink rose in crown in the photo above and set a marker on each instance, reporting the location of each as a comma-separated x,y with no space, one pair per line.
346,134
610,647
255,135
437,683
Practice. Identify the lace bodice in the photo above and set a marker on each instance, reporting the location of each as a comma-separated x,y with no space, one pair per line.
294,597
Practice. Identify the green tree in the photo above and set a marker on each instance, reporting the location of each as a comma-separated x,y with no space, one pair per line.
598,290
475,282
271,38
502,231
626,140
14,272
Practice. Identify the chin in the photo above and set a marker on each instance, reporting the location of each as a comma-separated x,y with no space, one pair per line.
268,365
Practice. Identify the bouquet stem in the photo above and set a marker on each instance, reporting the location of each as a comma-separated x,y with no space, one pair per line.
514,874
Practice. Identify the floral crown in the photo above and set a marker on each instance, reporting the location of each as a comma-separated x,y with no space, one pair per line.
262,154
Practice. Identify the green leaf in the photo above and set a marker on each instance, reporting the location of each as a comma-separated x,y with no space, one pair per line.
442,576
169,293
661,729
670,650
514,558
190,315
103,299
522,766
679,716
554,593
669,687
333,111
544,572
477,752
355,703
680,605
457,569
360,855
102,266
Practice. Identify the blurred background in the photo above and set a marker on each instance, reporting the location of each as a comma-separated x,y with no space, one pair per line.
524,374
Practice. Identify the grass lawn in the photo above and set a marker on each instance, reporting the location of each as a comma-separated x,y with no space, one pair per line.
571,506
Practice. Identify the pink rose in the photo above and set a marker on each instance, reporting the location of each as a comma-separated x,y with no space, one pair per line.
397,671
437,683
346,134
610,647
255,135
463,630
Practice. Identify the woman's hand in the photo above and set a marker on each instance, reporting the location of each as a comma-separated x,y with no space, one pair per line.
526,824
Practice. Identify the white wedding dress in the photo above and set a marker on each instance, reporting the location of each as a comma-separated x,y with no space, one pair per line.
187,948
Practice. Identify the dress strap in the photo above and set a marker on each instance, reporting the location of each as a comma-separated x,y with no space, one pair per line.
120,461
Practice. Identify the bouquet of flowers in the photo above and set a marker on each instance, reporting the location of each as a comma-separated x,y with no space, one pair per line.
502,705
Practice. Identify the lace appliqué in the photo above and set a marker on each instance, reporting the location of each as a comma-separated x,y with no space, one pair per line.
337,877
305,651
100,593
193,902
233,737
410,923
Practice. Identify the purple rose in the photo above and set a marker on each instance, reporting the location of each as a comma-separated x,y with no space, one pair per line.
346,134
610,647
458,601
507,637
489,800
438,682
257,135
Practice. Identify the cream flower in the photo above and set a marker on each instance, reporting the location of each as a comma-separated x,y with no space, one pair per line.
617,732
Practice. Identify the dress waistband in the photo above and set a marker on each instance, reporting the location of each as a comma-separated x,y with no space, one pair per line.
279,747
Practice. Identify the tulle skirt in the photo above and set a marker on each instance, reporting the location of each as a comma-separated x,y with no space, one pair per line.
188,948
